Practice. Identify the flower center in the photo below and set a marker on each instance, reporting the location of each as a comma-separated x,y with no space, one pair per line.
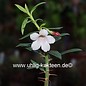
41,36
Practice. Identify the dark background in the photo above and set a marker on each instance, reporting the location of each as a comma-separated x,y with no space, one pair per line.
69,14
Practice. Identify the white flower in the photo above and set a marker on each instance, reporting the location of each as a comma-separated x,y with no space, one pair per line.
42,40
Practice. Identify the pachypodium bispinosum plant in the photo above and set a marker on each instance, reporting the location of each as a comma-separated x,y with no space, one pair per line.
41,40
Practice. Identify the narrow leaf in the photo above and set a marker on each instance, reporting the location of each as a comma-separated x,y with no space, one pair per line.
57,38
33,62
20,8
39,20
56,28
71,50
23,45
26,8
34,8
30,49
56,54
24,24
65,34
27,35
42,24
42,69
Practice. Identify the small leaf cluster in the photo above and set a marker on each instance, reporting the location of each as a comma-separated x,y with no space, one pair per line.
30,18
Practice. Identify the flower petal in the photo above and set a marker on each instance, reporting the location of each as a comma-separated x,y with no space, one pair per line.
45,45
35,45
50,39
34,36
43,32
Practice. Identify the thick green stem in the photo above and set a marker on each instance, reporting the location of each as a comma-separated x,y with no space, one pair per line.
46,83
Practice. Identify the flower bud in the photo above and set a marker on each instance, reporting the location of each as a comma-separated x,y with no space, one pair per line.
55,33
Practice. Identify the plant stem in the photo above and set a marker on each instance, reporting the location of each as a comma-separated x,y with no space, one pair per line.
46,83
33,20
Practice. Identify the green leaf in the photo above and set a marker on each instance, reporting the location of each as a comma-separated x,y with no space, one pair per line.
34,8
41,68
29,48
42,24
20,8
39,20
65,34
56,54
27,35
26,8
33,62
23,45
71,50
56,28
57,38
24,24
